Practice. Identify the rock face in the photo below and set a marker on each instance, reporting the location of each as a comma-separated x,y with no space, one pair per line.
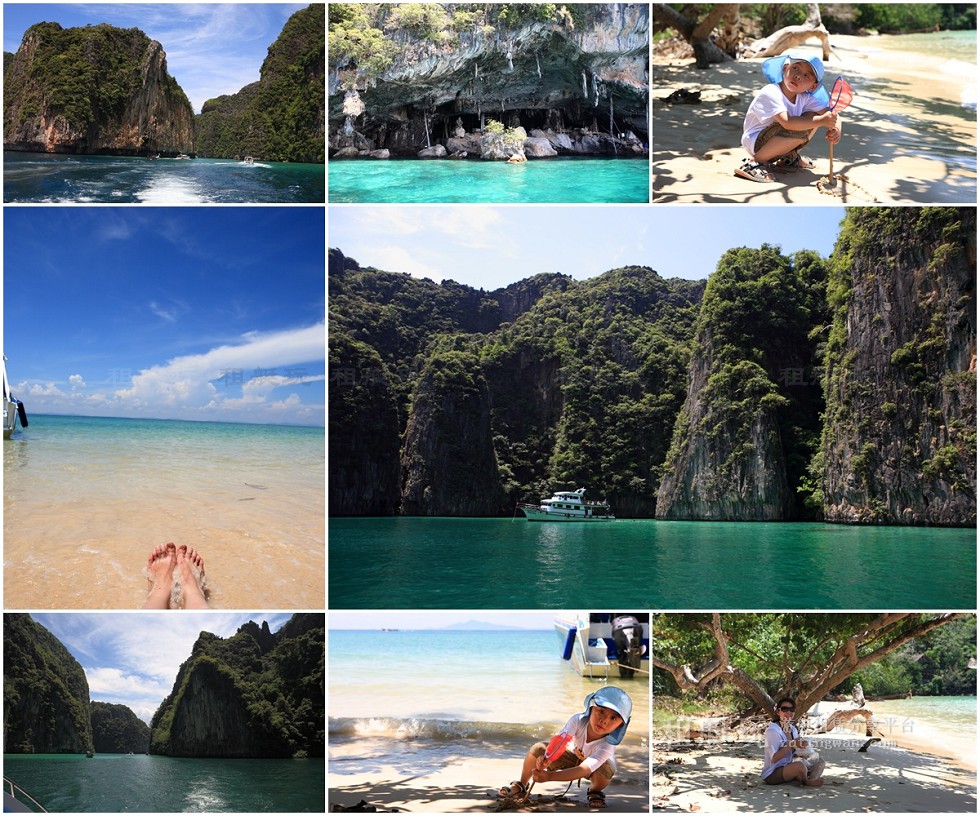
256,694
448,463
735,432
46,707
97,89
117,730
899,446
282,116
581,79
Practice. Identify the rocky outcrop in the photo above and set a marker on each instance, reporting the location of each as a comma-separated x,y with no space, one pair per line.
96,89
736,449
899,446
448,463
580,79
46,708
117,730
282,116
253,695
727,462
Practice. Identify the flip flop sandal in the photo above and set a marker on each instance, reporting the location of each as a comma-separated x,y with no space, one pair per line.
792,161
597,799
753,171
508,792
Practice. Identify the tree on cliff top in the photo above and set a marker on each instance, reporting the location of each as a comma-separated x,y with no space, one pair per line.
769,656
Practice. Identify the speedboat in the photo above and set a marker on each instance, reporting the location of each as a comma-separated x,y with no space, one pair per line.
18,800
568,506
248,160
13,409
592,642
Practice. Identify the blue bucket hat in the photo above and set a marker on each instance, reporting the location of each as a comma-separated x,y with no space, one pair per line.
619,701
772,69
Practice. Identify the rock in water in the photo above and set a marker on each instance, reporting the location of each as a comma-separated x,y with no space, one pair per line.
97,89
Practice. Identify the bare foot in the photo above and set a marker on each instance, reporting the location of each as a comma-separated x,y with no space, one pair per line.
813,783
190,573
160,573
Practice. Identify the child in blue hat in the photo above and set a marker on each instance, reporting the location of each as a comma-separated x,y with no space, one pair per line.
785,115
590,741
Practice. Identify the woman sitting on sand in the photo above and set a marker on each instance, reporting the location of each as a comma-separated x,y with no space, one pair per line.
188,590
787,757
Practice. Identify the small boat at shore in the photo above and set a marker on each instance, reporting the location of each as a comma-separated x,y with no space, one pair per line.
568,506
592,641
13,409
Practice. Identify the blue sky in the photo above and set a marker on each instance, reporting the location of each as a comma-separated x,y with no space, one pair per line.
491,247
132,658
169,313
212,48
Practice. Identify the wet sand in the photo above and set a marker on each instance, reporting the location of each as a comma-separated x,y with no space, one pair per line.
906,137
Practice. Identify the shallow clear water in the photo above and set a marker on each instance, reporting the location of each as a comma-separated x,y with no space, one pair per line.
85,499
40,177
448,563
119,783
561,180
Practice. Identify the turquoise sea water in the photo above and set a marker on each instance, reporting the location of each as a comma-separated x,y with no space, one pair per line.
40,177
429,695
561,180
86,498
119,783
446,563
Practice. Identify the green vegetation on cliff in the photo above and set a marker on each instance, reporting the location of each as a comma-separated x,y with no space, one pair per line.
117,730
795,388
281,117
256,694
86,74
46,707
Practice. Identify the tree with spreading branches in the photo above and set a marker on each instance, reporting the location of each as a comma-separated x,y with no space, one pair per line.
770,656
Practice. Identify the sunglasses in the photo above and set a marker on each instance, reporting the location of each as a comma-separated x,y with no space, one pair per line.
787,708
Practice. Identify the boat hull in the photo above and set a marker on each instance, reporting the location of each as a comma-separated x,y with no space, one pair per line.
537,514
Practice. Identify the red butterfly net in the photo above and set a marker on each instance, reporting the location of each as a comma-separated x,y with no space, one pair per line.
556,746
841,95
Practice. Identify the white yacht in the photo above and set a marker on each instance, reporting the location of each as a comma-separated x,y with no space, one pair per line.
568,506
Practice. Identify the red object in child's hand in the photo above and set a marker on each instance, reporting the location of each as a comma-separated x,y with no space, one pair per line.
841,95
556,746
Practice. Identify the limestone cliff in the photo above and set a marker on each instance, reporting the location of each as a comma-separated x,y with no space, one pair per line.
117,730
282,116
97,89
899,446
575,78
256,694
448,463
739,440
46,708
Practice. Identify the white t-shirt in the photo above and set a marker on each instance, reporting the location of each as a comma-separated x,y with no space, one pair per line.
767,105
776,739
596,752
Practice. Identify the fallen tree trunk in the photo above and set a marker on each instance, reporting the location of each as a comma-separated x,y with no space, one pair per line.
790,36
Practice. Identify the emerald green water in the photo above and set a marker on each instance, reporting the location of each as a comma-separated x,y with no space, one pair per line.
561,180
119,783
448,563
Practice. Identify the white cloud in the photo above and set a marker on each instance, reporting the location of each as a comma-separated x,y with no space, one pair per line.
398,259
77,380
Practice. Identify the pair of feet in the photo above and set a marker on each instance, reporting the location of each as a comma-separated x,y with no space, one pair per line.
188,564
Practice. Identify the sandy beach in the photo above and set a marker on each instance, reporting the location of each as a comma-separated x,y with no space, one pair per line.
904,772
908,137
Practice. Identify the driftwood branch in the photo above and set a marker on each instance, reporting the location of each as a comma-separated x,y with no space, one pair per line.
790,36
